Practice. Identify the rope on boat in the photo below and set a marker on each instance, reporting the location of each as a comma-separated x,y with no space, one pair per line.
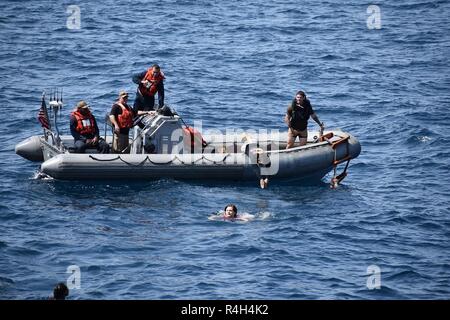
140,163
96,159
147,158
161,163
213,161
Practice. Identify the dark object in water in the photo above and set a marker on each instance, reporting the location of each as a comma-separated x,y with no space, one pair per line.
60,292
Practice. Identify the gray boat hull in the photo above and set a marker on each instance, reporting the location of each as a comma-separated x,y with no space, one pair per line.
312,161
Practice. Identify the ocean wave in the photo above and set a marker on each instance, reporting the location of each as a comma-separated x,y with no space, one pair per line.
405,275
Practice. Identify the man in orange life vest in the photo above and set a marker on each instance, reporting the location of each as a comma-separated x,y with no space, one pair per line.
121,116
84,130
149,82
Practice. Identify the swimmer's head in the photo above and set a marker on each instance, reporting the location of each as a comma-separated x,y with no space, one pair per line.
60,292
230,211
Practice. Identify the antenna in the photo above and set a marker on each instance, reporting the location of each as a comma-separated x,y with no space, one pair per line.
56,105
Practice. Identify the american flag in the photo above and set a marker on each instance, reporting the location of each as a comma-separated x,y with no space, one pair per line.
43,115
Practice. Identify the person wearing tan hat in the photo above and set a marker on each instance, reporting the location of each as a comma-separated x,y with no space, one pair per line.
121,117
84,130
149,83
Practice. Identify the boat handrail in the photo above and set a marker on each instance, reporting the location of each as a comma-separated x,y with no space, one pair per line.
299,148
333,143
55,139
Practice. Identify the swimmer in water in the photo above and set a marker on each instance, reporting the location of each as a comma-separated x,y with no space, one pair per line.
230,212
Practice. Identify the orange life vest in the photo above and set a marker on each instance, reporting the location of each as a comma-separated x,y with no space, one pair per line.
193,139
154,79
125,119
85,123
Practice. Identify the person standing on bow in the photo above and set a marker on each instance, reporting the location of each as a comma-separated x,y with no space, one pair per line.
84,130
296,118
121,117
149,82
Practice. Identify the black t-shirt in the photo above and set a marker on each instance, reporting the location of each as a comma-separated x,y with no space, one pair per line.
299,115
116,110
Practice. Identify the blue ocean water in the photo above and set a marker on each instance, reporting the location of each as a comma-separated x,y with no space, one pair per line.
234,64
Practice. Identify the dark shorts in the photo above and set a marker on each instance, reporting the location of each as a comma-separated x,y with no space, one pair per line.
292,133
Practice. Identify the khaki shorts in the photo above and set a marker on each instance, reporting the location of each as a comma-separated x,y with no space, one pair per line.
121,142
292,133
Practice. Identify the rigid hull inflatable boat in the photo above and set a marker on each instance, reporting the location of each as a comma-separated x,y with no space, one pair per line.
163,146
